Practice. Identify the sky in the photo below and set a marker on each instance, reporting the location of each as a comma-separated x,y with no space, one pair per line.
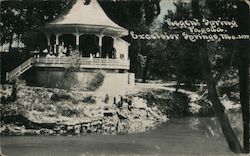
165,6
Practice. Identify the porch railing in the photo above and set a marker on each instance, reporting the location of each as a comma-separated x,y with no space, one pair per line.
82,62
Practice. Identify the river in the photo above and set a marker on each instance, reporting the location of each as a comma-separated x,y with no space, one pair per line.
185,136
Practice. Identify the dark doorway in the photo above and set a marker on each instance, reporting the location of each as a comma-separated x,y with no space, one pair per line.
88,44
107,46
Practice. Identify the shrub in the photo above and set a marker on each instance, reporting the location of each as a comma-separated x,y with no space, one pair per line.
206,109
58,96
178,106
89,99
96,82
39,108
172,104
17,84
67,111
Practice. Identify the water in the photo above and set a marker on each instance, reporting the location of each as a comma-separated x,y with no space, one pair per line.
186,136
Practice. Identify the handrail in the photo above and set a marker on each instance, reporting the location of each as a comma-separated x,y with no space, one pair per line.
83,61
20,69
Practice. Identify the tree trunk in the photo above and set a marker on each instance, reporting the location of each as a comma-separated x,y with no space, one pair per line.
10,42
145,71
226,128
243,50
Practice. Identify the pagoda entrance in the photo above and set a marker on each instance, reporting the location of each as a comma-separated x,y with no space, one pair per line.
67,41
108,47
88,45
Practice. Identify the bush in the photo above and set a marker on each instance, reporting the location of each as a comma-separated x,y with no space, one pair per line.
89,99
172,104
67,111
16,85
39,108
206,110
58,96
96,82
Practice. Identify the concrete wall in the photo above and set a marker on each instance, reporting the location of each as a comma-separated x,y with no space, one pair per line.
58,78
116,84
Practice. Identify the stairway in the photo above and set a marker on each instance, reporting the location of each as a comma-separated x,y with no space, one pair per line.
20,69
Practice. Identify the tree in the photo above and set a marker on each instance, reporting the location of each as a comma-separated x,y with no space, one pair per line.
24,19
244,48
138,17
232,140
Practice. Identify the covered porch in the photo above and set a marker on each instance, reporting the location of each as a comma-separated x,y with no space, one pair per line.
84,30
85,45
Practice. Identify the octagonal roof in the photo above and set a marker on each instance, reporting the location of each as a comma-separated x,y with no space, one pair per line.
85,18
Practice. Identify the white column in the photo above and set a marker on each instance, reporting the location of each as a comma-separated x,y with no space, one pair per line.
100,44
114,52
57,43
48,39
48,42
77,41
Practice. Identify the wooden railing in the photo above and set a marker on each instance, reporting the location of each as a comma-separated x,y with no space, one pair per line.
82,62
20,69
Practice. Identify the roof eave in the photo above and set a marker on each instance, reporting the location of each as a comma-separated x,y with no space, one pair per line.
86,28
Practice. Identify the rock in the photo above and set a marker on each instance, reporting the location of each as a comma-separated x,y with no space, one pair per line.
77,129
98,116
121,116
140,103
51,132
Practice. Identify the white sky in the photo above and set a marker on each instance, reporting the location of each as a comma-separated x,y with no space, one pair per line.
168,5
165,6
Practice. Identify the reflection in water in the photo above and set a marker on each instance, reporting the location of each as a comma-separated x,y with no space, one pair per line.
186,136
235,119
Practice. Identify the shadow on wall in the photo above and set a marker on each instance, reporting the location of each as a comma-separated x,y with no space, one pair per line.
70,80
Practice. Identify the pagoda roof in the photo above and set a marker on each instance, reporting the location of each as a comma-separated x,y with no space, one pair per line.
85,18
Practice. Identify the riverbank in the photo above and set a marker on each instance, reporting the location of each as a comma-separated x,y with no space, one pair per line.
189,136
38,110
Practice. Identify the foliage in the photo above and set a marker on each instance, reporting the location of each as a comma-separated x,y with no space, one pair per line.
172,104
61,96
16,85
206,109
96,82
180,60
24,19
89,99
68,111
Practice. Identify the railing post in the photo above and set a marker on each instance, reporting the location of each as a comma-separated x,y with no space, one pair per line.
7,76
19,68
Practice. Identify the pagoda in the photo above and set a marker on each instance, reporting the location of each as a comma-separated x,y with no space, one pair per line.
85,38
